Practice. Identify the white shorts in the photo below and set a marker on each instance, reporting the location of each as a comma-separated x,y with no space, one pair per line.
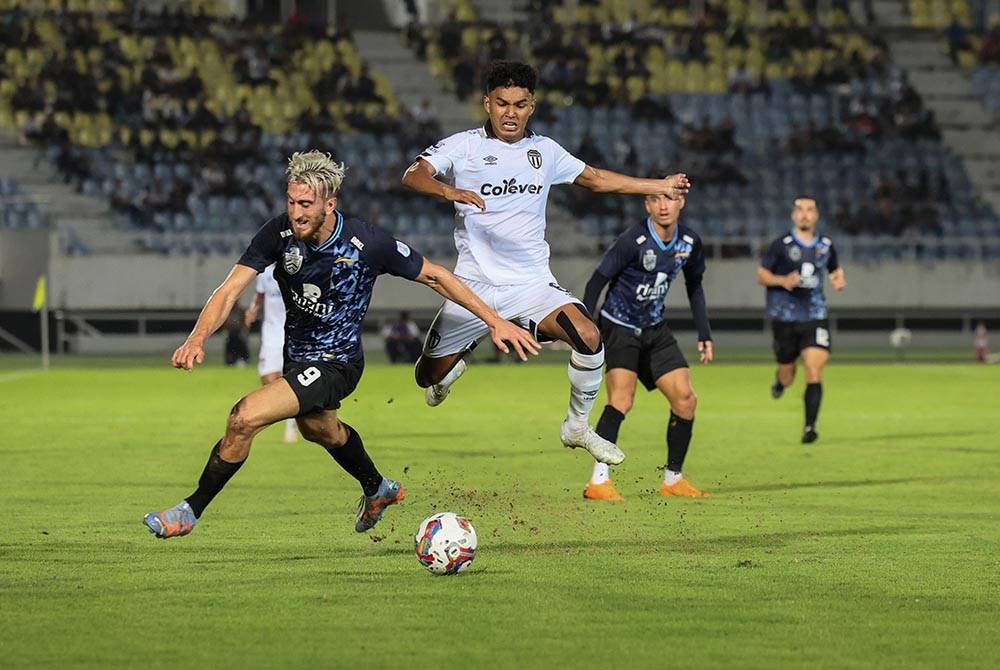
456,329
272,355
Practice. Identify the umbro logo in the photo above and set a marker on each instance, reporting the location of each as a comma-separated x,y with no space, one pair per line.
490,160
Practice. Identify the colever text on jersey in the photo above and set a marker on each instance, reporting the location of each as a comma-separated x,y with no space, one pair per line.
510,187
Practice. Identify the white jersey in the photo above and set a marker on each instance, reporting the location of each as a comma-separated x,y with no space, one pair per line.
506,243
272,326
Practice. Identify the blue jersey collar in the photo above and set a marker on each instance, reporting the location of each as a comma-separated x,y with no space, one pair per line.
336,233
664,246
807,245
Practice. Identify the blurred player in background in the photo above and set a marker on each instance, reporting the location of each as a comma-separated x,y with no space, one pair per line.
327,265
499,178
793,269
402,339
271,360
640,267
981,343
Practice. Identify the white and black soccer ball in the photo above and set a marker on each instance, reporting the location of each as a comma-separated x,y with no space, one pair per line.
445,543
900,338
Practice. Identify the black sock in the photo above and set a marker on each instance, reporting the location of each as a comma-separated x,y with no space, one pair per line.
609,423
678,439
355,460
215,475
814,394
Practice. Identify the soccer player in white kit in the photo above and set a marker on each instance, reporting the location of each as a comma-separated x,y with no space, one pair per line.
499,178
271,361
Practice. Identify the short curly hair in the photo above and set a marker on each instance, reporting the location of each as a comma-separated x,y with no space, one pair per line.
509,73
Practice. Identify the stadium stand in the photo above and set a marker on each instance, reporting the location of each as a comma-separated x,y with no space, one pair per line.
196,111
756,108
15,210
194,114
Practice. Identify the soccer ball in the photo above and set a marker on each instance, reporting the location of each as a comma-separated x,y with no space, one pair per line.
445,543
900,337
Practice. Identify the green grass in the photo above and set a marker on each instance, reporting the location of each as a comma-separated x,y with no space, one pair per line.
879,546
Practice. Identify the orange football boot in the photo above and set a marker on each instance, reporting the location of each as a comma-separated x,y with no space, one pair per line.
683,489
603,491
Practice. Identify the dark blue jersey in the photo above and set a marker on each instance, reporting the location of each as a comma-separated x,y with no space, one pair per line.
814,260
641,267
327,289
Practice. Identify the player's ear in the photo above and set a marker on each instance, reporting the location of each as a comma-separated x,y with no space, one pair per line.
331,205
486,103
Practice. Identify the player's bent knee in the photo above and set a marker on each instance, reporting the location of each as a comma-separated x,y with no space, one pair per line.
685,405
239,421
584,336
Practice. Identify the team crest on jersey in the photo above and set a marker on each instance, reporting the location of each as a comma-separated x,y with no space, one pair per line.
649,260
794,253
535,158
293,260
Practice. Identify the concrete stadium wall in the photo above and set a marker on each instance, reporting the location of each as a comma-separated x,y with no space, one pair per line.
147,282
24,257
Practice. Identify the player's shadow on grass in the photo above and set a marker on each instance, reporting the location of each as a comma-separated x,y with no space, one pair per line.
833,484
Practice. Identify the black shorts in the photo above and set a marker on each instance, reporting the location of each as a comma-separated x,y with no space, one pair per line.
322,385
650,352
791,337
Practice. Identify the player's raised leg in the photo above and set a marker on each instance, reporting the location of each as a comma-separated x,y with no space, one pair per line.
813,360
572,324
676,386
453,334
344,444
253,413
783,378
445,370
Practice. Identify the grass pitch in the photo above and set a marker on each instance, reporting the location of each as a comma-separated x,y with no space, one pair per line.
879,546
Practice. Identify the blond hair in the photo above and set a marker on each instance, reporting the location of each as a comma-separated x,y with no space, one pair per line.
318,171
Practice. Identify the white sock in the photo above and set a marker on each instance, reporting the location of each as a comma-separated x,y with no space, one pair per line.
585,375
601,473
670,477
289,426
453,374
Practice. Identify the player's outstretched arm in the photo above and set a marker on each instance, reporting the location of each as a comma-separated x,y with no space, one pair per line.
212,316
504,333
420,177
605,181
838,280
